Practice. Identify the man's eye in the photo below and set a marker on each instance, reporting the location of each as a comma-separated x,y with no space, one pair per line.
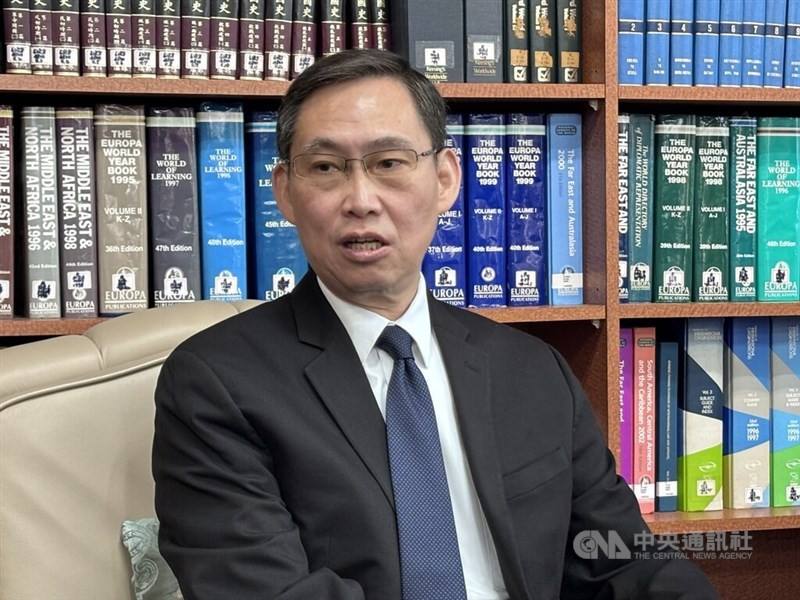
390,164
324,167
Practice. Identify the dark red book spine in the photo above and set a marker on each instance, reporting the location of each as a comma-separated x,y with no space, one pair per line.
143,23
93,38
251,40
304,36
359,25
224,39
278,39
333,34
379,31
168,31
195,38
17,36
67,40
120,37
41,37
6,212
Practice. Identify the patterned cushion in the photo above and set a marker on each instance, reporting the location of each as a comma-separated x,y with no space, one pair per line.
152,578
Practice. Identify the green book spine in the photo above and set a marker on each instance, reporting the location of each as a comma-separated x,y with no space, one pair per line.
640,239
712,172
776,207
742,207
674,207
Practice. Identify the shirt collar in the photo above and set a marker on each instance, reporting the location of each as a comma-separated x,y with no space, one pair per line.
364,326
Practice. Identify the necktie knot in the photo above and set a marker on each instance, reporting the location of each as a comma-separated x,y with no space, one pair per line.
396,341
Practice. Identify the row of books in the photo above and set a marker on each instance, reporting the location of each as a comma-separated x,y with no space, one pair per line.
709,208
750,43
197,39
119,209
709,413
515,41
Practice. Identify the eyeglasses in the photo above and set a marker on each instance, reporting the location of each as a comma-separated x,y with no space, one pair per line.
390,167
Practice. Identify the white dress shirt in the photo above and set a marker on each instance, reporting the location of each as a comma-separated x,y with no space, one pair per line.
482,575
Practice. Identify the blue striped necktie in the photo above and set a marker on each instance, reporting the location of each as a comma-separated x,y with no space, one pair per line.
430,563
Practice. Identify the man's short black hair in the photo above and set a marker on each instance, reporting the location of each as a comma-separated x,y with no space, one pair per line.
352,65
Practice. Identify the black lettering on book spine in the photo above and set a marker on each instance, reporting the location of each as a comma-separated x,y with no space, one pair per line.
278,39
144,26
17,36
195,38
93,38
41,37
66,27
224,39
251,40
120,37
168,41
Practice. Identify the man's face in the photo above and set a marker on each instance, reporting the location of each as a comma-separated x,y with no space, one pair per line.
366,239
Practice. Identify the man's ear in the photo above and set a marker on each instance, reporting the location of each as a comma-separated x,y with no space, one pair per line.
280,189
448,170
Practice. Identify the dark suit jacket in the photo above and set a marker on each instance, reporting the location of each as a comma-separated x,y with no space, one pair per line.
272,478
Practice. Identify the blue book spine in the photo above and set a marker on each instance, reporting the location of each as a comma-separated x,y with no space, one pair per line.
667,433
564,177
753,23
526,209
681,47
277,261
774,43
657,43
444,265
731,16
791,78
706,43
220,143
630,42
486,234
623,202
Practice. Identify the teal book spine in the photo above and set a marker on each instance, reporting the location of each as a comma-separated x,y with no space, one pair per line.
640,188
776,206
711,210
742,197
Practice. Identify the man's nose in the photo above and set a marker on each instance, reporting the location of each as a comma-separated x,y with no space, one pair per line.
361,197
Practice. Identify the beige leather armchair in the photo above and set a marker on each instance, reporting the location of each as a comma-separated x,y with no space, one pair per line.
76,428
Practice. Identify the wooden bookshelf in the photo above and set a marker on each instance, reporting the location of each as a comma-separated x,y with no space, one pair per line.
535,314
708,95
758,519
45,327
708,309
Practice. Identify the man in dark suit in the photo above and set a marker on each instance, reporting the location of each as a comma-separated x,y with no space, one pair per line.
285,464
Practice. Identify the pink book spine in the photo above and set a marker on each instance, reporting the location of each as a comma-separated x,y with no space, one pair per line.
626,405
644,446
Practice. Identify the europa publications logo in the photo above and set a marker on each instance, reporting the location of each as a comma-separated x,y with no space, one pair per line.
592,544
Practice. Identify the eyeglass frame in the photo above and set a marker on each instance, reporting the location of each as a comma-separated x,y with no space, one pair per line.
291,162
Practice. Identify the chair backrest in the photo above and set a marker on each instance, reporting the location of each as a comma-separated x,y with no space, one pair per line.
76,429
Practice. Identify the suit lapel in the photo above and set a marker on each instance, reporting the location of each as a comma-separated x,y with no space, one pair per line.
468,372
338,378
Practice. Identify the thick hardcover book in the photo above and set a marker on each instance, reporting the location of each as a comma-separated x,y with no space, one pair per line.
333,32
774,43
484,172
93,38
640,190
517,42
42,37
753,26
711,231
630,42
358,17
644,441
526,209
251,40
278,39
623,202
626,383
120,38
75,130
67,38
17,36
220,143
380,32
42,290
168,44
568,42
173,206
195,38
7,225
667,432
674,207
731,17
656,69
121,168
543,41
746,414
778,255
224,40
564,208
145,34
791,73
706,42
304,36
483,29
277,261
681,42
785,416
430,35
742,218
444,265
700,479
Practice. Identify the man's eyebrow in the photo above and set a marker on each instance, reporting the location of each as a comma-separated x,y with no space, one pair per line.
383,143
